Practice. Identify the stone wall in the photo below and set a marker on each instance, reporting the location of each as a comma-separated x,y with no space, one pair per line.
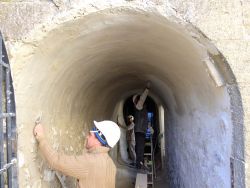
225,22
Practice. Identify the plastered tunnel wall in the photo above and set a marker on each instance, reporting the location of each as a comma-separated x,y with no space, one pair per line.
83,68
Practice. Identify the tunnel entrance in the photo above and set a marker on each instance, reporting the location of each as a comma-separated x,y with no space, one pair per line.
111,54
153,121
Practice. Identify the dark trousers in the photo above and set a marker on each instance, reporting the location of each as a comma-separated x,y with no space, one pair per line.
139,148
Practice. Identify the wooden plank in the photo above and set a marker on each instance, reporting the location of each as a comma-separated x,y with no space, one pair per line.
141,181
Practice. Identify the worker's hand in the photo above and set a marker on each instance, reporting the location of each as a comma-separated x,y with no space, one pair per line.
117,120
38,132
148,84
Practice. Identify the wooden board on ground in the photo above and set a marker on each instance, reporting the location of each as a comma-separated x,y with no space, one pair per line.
141,181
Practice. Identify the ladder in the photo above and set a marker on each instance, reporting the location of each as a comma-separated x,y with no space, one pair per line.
149,161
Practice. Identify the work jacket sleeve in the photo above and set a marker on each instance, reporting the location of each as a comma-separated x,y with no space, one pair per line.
121,125
143,96
75,166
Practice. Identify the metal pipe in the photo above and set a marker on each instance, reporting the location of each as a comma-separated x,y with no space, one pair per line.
5,115
4,64
1,111
9,127
7,92
8,165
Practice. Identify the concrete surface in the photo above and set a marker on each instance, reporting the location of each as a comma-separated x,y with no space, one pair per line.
80,60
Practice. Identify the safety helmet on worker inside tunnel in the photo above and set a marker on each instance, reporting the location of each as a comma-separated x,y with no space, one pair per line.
130,117
109,130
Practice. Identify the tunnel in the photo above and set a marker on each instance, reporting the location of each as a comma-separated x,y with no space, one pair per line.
86,68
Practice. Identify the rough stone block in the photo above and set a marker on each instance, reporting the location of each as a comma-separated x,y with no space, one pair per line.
17,19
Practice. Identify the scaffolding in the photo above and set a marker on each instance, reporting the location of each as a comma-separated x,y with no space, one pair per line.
8,138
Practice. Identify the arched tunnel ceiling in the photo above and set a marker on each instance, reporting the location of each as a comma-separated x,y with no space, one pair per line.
81,69
109,55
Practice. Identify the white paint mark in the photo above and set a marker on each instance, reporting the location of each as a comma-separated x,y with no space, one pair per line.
214,72
48,175
20,159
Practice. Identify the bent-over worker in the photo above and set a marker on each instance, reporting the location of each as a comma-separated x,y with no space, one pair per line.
130,136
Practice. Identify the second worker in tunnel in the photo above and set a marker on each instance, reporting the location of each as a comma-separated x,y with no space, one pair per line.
141,124
130,136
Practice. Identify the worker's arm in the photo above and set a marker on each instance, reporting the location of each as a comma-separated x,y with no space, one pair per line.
69,165
143,96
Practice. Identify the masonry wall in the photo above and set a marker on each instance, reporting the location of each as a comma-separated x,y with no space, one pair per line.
225,22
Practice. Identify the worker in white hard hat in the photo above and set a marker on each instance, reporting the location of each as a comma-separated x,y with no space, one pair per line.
141,124
94,168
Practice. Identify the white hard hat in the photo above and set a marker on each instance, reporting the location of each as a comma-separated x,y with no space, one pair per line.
131,117
110,130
